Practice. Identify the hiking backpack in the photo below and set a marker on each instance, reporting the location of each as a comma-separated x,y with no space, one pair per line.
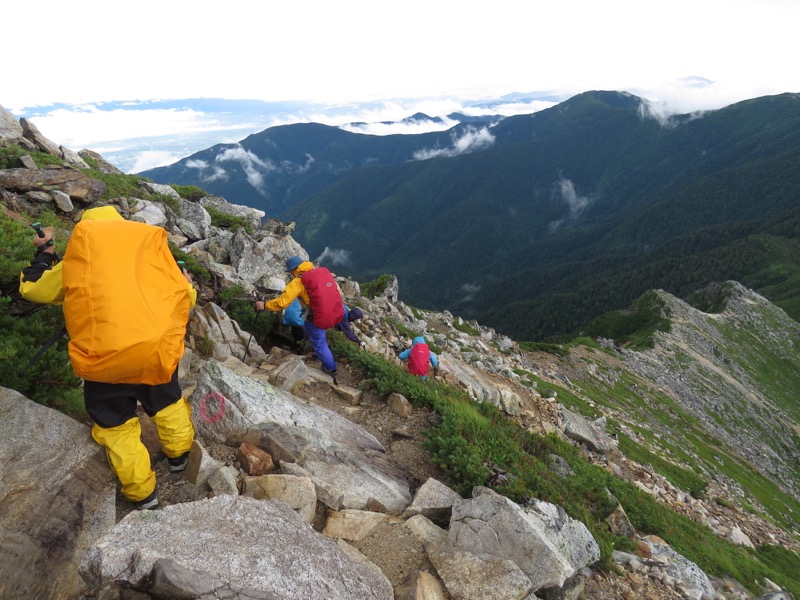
418,359
126,303
324,299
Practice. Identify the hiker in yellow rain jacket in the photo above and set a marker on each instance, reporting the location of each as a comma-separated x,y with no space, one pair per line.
318,292
112,399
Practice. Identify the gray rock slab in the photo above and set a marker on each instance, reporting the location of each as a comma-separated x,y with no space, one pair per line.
232,409
236,542
57,497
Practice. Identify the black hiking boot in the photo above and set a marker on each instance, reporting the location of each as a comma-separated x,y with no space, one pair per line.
149,503
178,464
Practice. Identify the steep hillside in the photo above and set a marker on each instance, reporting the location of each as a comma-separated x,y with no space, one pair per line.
571,211
585,193
729,376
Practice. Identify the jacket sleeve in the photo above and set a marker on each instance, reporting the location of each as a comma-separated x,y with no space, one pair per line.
293,289
344,327
192,296
404,354
434,360
41,280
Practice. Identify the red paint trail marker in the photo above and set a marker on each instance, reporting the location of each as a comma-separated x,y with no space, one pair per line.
220,400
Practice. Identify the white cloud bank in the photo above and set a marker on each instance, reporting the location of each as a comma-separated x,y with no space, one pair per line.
471,140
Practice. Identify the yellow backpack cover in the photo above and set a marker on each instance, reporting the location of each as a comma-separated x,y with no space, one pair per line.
126,303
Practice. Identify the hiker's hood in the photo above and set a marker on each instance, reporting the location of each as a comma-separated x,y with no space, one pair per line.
102,213
303,267
419,340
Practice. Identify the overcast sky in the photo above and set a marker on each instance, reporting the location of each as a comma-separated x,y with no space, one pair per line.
685,54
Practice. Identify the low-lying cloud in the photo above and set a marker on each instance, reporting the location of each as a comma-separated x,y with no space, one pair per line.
564,190
335,258
471,140
254,168
468,292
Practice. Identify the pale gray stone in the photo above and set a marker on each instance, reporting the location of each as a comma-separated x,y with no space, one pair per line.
352,525
351,395
252,537
469,576
480,387
681,568
28,162
329,495
433,500
298,492
253,215
194,221
251,260
148,212
57,497
210,321
546,544
160,188
578,428
32,133
10,129
102,164
290,373
399,404
224,481
62,201
73,158
425,530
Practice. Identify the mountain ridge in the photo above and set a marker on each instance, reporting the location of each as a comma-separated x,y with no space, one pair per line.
595,185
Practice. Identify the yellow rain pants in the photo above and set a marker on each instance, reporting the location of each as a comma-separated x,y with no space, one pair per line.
175,428
128,456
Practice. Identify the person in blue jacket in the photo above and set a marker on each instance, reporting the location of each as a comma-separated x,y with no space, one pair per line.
419,357
293,319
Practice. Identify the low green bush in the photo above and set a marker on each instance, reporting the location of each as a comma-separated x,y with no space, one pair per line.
224,220
190,192
376,287
682,478
462,325
634,326
27,326
191,264
556,349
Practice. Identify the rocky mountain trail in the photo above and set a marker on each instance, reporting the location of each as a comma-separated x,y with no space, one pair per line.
398,553
351,464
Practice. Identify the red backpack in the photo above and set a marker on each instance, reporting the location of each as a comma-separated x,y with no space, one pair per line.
323,295
418,359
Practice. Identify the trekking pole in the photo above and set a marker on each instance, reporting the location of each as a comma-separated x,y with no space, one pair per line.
255,322
49,342
40,232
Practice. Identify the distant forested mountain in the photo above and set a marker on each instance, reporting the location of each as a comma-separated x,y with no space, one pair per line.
275,169
536,224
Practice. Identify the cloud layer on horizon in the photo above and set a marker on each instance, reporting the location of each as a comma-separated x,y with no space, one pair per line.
139,137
